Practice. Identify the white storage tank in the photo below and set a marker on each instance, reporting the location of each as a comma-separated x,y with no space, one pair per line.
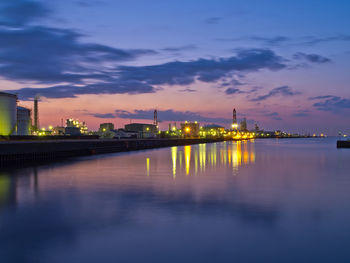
8,113
24,121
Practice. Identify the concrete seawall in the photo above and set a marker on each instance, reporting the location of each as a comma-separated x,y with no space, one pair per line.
22,152
343,144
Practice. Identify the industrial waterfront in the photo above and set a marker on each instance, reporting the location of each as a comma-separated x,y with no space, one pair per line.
286,200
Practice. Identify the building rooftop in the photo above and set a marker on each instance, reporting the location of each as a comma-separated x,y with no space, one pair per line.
8,94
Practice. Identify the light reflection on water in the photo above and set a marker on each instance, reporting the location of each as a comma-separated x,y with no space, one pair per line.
198,157
251,201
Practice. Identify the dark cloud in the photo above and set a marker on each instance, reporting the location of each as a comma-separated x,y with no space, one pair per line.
312,40
163,115
90,3
321,97
232,82
268,41
206,70
301,113
282,91
104,115
50,55
287,41
313,58
21,12
271,41
71,91
188,90
181,48
330,103
213,20
274,116
58,58
230,91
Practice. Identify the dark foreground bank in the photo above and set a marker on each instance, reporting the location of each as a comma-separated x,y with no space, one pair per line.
22,152
343,144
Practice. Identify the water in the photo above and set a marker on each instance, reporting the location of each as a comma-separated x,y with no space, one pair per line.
260,201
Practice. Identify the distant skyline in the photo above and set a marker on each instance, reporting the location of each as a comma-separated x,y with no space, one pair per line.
282,64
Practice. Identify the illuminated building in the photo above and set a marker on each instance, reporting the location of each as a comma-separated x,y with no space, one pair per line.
8,113
58,130
234,120
24,121
71,124
256,127
244,125
143,130
190,129
212,130
106,127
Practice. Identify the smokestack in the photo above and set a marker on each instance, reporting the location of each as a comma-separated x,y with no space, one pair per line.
155,122
36,113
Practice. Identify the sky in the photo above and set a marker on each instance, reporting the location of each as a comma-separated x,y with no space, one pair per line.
282,64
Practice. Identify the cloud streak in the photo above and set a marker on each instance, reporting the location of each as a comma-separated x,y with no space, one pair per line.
288,41
284,91
331,103
313,58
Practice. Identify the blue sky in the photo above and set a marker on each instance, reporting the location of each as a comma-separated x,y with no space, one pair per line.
283,64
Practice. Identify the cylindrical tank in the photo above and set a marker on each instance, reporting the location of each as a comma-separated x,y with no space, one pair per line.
8,113
24,121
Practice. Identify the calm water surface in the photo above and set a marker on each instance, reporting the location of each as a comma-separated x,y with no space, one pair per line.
257,201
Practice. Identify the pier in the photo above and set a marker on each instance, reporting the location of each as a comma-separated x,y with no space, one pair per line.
343,144
23,152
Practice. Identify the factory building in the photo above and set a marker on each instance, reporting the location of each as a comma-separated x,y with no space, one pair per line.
243,125
143,130
24,121
190,129
73,125
8,113
106,127
212,130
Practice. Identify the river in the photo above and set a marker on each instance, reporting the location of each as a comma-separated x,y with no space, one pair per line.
267,200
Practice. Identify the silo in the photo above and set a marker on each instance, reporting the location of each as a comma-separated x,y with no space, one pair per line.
8,113
24,121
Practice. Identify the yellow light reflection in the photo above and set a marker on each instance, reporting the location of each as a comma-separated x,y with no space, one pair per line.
202,156
233,154
245,153
196,162
252,151
174,157
187,150
147,164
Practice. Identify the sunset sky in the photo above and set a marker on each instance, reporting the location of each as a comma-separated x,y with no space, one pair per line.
282,64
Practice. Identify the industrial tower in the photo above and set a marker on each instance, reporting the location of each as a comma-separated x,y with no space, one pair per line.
234,120
234,116
36,113
155,121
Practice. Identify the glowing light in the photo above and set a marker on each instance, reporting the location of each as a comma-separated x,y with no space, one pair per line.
188,129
